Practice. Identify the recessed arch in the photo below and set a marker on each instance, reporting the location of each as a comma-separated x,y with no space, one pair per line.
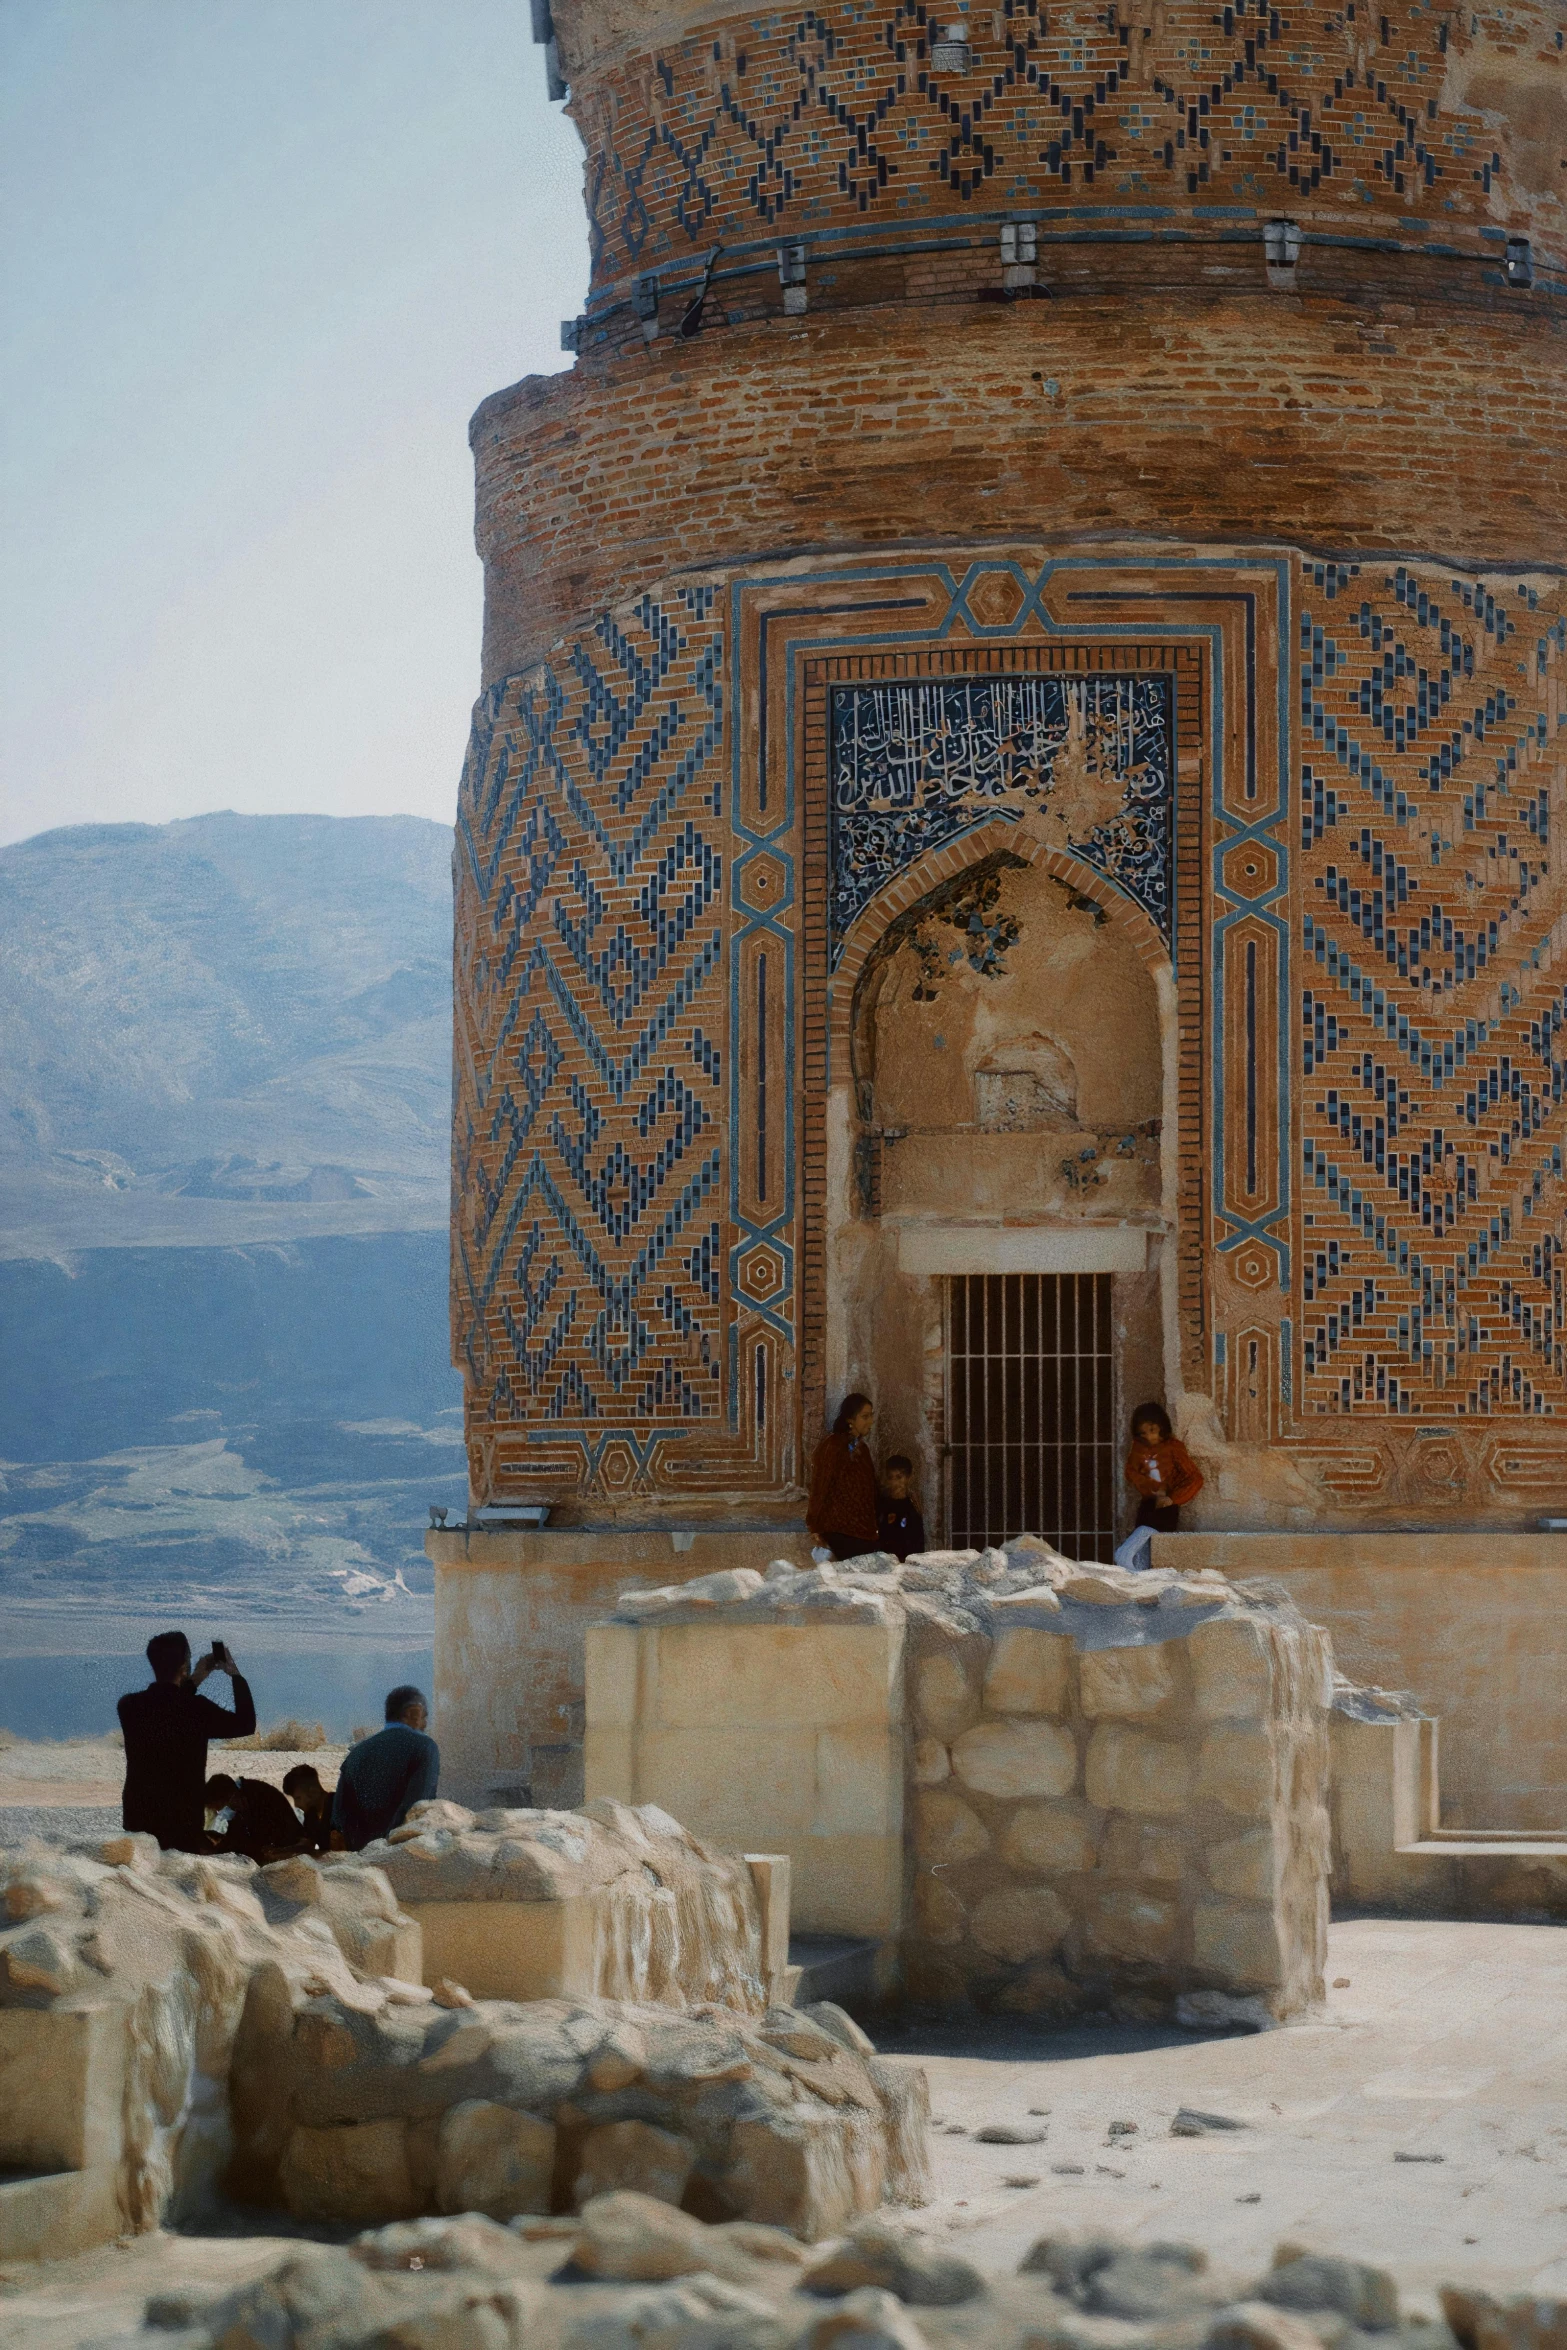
993,842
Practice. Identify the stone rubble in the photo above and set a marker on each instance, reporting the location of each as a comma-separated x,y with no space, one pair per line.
1374,1704
962,1587
151,1957
675,1921
634,2274
240,2046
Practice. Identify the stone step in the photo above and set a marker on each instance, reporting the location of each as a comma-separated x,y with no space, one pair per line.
1499,1839
1456,1844
840,1967
49,2214
1391,1852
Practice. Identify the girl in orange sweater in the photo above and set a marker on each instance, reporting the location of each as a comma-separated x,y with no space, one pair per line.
1163,1474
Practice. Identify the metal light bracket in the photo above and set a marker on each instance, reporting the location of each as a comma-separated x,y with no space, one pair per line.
1019,252
1519,264
791,276
1281,243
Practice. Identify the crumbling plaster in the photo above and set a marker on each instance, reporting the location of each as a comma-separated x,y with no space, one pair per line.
1073,997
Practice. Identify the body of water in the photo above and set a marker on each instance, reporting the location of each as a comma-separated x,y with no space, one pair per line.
338,1686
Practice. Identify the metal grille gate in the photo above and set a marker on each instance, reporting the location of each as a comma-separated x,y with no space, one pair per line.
1030,1399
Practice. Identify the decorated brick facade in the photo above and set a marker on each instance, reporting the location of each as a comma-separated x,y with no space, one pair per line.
1214,604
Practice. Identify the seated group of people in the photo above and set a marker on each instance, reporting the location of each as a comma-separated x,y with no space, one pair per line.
266,1823
169,1795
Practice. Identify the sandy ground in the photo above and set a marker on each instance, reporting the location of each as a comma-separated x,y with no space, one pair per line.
1438,2039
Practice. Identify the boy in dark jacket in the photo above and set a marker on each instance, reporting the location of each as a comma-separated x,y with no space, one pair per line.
899,1526
262,1823
303,1788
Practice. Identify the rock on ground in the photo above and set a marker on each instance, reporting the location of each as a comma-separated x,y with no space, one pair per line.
633,2273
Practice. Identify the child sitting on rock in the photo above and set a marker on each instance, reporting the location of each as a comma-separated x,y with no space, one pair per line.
303,1787
252,1817
1163,1474
899,1526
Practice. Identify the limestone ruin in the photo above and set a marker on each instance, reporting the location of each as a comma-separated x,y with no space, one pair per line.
1043,1789
632,2271
608,1902
175,2030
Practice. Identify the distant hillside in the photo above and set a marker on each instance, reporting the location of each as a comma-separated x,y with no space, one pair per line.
225,1394
234,1028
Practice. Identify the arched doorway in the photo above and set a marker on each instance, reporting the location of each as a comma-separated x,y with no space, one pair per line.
1000,1228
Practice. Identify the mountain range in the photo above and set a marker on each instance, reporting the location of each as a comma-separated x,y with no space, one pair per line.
206,1022
225,1394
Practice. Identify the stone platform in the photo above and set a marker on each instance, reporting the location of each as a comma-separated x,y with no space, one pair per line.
1474,1623
1443,2039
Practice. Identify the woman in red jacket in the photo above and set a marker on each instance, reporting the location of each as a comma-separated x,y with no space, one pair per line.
1163,1474
841,1512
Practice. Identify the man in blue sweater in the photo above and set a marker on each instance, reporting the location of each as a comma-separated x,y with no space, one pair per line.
385,1776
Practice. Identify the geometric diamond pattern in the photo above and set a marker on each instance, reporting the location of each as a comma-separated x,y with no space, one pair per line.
1431,1021
587,1264
799,117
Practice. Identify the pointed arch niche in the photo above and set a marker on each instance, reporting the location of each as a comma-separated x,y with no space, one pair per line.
999,1024
1006,1052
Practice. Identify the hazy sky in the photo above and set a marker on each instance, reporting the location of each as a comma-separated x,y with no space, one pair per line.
259,262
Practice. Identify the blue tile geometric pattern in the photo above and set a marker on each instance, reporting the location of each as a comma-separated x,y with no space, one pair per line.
587,1291
631,1291
1111,120
1087,763
1432,1027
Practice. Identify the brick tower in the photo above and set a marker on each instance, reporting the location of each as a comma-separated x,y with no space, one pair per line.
1005,858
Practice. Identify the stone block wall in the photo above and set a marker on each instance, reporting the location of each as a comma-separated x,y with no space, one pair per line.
1390,1851
353,2111
776,1731
175,2029
1119,1804
1474,1623
124,1976
610,1903
512,1606
1116,1785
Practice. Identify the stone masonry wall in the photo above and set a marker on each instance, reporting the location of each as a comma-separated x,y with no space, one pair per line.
1118,1782
175,2029
1120,1801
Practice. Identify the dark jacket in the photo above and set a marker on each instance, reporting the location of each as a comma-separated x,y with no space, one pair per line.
265,1825
315,1834
166,1731
900,1528
842,1507
381,1780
